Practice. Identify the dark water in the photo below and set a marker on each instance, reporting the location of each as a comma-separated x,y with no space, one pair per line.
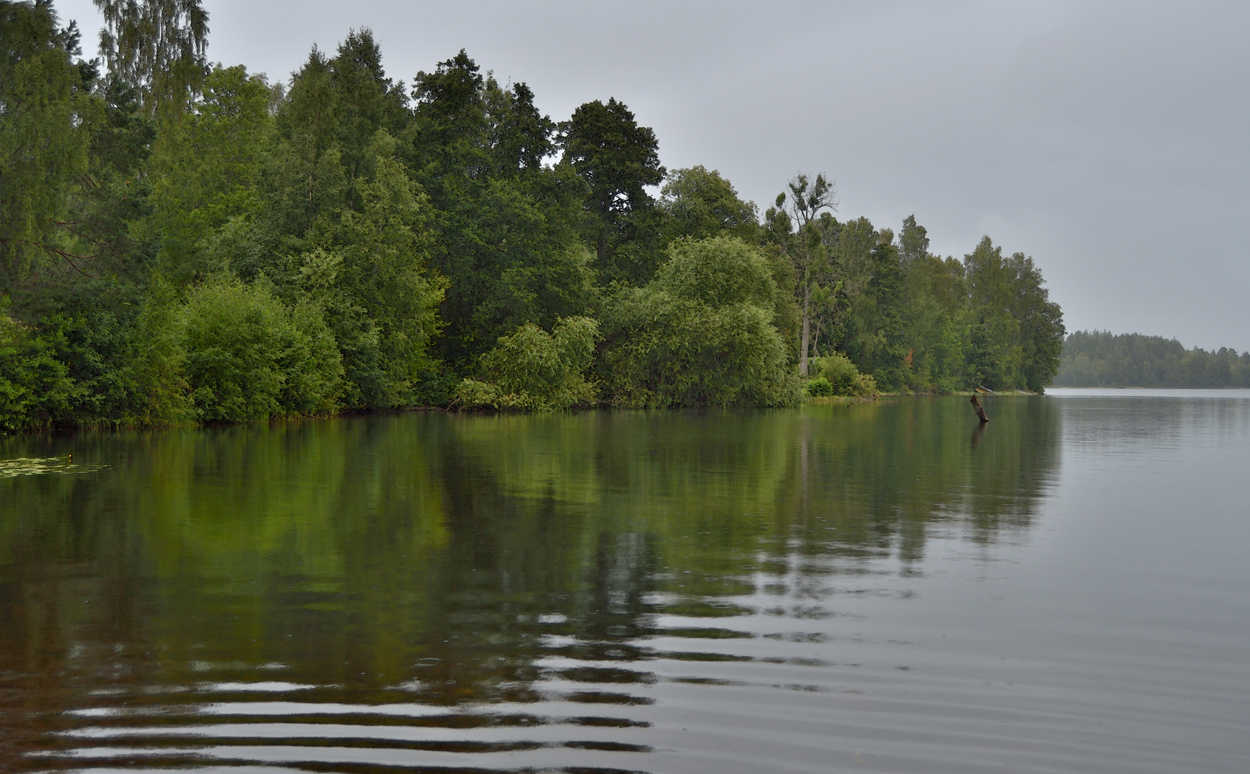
875,588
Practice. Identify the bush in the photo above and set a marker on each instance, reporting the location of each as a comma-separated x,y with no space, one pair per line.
35,388
533,370
248,357
701,333
843,377
820,388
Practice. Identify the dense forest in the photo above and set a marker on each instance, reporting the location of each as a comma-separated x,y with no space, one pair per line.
1101,359
188,242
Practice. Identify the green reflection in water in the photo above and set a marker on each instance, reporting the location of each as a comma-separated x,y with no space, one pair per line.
436,558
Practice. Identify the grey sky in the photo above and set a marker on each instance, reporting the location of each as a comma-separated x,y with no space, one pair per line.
1109,141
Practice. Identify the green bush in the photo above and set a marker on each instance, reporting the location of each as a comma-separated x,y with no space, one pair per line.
700,334
248,357
820,388
152,375
35,388
843,377
533,370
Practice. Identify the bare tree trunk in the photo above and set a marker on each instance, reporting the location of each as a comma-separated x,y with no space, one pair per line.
976,406
805,336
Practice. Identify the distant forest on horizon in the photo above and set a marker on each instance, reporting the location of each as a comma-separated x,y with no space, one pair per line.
1103,359
183,242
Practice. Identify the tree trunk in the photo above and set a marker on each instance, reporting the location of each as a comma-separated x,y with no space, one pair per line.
976,406
805,336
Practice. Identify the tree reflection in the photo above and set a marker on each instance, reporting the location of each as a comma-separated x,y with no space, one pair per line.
453,559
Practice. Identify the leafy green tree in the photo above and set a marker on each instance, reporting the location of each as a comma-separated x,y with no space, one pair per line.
520,136
535,370
794,224
155,371
1041,324
112,198
506,228
922,315
365,100
43,144
206,171
35,388
370,272
618,159
995,357
248,357
158,46
883,350
699,204
700,334
838,375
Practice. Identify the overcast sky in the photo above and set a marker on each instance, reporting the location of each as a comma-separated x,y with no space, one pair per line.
1110,141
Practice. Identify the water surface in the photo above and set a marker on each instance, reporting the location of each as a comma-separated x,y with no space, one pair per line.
886,587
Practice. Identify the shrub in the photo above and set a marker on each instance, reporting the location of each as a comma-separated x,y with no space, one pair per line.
35,388
701,333
819,388
536,371
249,357
843,377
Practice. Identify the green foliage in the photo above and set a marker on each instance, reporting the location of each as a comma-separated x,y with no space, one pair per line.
700,334
535,370
43,144
156,372
617,158
1101,359
842,377
801,227
248,357
380,298
185,243
157,45
35,388
506,229
1017,332
698,204
206,171
819,387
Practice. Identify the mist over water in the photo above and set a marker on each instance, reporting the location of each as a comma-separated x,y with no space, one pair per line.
884,587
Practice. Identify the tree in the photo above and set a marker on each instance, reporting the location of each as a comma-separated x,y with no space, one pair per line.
158,46
700,334
43,144
618,159
699,204
370,272
1017,332
249,357
505,226
535,370
793,223
1041,324
520,136
206,170
884,354
365,100
934,312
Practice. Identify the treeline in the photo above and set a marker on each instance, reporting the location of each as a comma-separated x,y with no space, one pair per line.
1102,359
182,242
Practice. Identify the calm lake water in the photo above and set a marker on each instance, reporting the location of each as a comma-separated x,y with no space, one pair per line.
880,587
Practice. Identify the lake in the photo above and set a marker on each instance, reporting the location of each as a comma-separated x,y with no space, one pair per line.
884,587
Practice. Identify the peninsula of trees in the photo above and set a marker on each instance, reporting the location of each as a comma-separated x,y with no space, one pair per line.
186,242
1101,359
